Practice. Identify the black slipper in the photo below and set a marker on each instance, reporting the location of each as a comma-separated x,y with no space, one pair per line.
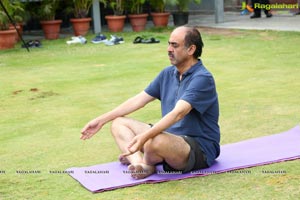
32,44
27,44
153,40
150,41
37,43
138,39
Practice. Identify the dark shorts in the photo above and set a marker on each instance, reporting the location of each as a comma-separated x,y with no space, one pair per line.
196,161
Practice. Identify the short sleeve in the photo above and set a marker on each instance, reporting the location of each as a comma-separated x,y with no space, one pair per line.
201,93
153,89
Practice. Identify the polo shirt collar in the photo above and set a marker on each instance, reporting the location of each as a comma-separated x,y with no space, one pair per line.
190,71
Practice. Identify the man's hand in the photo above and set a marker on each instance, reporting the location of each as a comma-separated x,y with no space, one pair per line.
91,129
135,145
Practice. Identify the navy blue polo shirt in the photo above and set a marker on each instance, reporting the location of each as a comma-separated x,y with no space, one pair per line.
196,87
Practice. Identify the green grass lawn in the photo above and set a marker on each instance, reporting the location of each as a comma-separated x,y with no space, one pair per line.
49,94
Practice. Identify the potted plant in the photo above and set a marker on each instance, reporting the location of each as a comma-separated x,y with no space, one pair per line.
138,19
46,13
7,36
159,15
19,15
116,21
181,16
81,21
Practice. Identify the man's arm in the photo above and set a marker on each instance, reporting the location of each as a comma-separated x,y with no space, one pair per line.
129,106
181,109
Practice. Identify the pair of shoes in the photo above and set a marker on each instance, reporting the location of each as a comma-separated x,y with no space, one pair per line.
99,39
145,41
32,44
254,16
77,40
269,15
114,40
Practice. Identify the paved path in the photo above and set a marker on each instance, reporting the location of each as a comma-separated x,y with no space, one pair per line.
280,21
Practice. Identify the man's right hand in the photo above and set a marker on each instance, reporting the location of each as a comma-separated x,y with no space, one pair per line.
91,129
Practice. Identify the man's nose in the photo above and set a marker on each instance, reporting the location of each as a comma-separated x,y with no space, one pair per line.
170,48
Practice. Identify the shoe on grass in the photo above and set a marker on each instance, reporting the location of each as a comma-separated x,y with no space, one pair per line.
114,40
99,39
77,40
32,44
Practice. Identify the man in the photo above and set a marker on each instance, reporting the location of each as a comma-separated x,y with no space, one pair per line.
256,5
298,13
187,136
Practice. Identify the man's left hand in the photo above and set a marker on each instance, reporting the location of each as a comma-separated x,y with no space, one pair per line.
135,145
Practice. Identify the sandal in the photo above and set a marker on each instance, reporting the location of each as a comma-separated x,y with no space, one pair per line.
138,39
145,41
32,44
150,41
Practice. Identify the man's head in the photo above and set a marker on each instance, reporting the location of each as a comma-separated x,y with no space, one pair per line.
185,44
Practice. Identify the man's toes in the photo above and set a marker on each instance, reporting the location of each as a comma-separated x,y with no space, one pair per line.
123,160
131,168
141,171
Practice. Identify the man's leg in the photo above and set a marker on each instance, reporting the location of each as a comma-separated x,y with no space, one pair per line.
167,147
267,12
164,147
124,129
257,10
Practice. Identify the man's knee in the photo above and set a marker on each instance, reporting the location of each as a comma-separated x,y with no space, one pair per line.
154,145
116,123
168,147
153,149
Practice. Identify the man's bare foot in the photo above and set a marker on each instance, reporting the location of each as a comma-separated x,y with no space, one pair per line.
140,171
124,160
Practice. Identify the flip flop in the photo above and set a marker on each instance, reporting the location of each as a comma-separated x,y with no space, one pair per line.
32,44
150,41
137,40
37,43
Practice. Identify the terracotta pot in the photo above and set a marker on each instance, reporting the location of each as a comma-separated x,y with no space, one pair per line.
7,39
51,29
81,26
115,23
138,22
160,19
19,28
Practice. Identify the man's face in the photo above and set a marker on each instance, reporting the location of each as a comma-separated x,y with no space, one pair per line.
177,52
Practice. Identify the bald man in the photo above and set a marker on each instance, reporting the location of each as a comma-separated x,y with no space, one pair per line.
187,136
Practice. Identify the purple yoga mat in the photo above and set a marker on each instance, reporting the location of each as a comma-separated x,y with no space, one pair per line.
249,153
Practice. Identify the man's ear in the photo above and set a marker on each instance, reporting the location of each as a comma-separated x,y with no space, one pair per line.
191,49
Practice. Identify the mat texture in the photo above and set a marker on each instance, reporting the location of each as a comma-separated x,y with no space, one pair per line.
249,153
